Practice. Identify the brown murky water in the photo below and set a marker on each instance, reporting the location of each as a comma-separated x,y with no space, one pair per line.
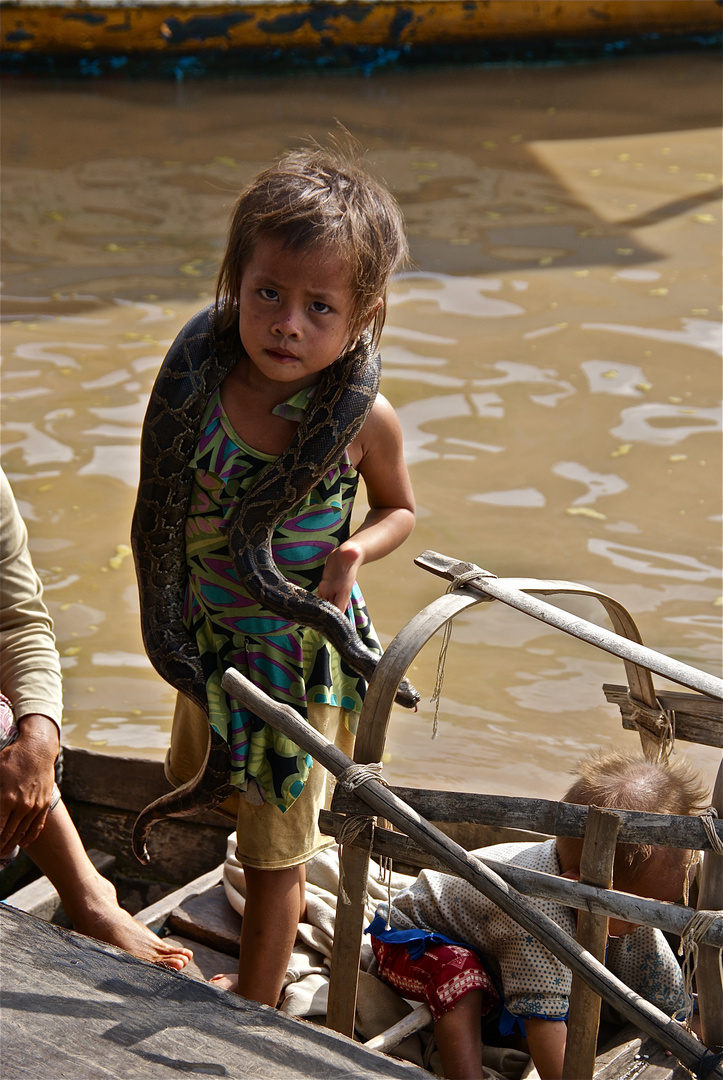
554,356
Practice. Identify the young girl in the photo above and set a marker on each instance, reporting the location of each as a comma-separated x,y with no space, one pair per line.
313,243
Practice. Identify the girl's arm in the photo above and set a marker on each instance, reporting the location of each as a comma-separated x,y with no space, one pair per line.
377,454
546,1041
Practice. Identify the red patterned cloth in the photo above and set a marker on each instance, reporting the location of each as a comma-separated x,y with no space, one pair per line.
441,976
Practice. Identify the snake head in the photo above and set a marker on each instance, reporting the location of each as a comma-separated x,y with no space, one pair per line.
407,695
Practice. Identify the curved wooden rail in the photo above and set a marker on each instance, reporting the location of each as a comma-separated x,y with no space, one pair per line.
382,801
393,665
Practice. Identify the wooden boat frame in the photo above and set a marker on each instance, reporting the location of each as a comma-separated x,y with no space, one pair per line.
697,719
102,35
127,784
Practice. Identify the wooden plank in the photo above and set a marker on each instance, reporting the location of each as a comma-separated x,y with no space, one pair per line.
638,1057
73,1007
540,815
625,642
385,804
672,918
155,915
596,868
698,719
179,849
210,919
126,783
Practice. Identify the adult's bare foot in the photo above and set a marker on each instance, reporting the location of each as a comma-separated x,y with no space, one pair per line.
100,916
117,927
90,900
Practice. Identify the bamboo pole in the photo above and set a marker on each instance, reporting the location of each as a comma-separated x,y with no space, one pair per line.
514,592
670,918
649,1019
596,868
709,974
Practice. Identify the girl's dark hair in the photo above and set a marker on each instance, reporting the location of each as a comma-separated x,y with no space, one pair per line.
317,198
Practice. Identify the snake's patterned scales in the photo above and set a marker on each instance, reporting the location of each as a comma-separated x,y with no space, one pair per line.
196,363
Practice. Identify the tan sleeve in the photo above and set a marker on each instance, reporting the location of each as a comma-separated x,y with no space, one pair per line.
29,662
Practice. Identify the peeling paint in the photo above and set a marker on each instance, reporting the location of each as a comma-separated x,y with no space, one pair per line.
400,22
202,27
184,36
86,17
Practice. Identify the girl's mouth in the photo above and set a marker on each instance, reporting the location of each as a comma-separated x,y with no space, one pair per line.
281,357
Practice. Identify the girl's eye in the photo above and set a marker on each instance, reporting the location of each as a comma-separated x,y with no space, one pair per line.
269,294
319,307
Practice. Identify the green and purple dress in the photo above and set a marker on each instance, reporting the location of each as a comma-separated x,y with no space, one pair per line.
293,664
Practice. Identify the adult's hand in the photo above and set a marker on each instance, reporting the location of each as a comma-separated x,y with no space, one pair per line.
27,774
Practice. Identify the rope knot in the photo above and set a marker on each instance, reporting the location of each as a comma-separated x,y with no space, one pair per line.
357,774
655,721
690,939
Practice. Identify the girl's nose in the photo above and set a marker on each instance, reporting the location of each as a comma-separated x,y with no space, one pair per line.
287,324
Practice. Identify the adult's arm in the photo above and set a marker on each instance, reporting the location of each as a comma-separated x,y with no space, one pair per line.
30,677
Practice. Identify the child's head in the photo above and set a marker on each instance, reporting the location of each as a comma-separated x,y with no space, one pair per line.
630,782
318,200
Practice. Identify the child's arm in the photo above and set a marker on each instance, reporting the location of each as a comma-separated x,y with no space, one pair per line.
378,456
546,1041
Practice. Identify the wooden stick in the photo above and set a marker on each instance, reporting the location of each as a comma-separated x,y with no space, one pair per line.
648,1018
348,931
709,976
513,591
414,1021
671,918
543,815
596,868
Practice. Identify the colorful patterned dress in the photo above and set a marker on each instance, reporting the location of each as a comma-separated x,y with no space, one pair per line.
293,664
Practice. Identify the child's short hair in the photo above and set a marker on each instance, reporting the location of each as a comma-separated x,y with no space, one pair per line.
316,198
618,781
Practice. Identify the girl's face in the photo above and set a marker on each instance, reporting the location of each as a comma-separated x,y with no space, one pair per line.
295,311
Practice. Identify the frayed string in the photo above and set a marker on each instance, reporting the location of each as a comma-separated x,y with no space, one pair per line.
461,579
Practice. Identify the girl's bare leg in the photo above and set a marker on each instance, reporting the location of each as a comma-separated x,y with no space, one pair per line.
89,899
275,902
458,1038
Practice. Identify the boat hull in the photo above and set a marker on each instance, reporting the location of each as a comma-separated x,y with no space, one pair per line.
337,31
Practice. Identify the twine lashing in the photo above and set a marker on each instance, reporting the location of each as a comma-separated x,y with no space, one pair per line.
690,939
708,817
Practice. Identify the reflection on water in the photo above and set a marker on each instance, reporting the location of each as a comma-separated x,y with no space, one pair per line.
553,354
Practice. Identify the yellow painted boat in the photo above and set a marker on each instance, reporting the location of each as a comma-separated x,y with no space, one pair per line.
347,31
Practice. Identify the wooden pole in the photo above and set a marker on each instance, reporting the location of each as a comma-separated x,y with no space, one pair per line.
670,918
649,1019
348,931
709,977
596,868
514,591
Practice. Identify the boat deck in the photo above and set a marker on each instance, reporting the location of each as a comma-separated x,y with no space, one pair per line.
73,1007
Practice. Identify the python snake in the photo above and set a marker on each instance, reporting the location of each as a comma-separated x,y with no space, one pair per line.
200,357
